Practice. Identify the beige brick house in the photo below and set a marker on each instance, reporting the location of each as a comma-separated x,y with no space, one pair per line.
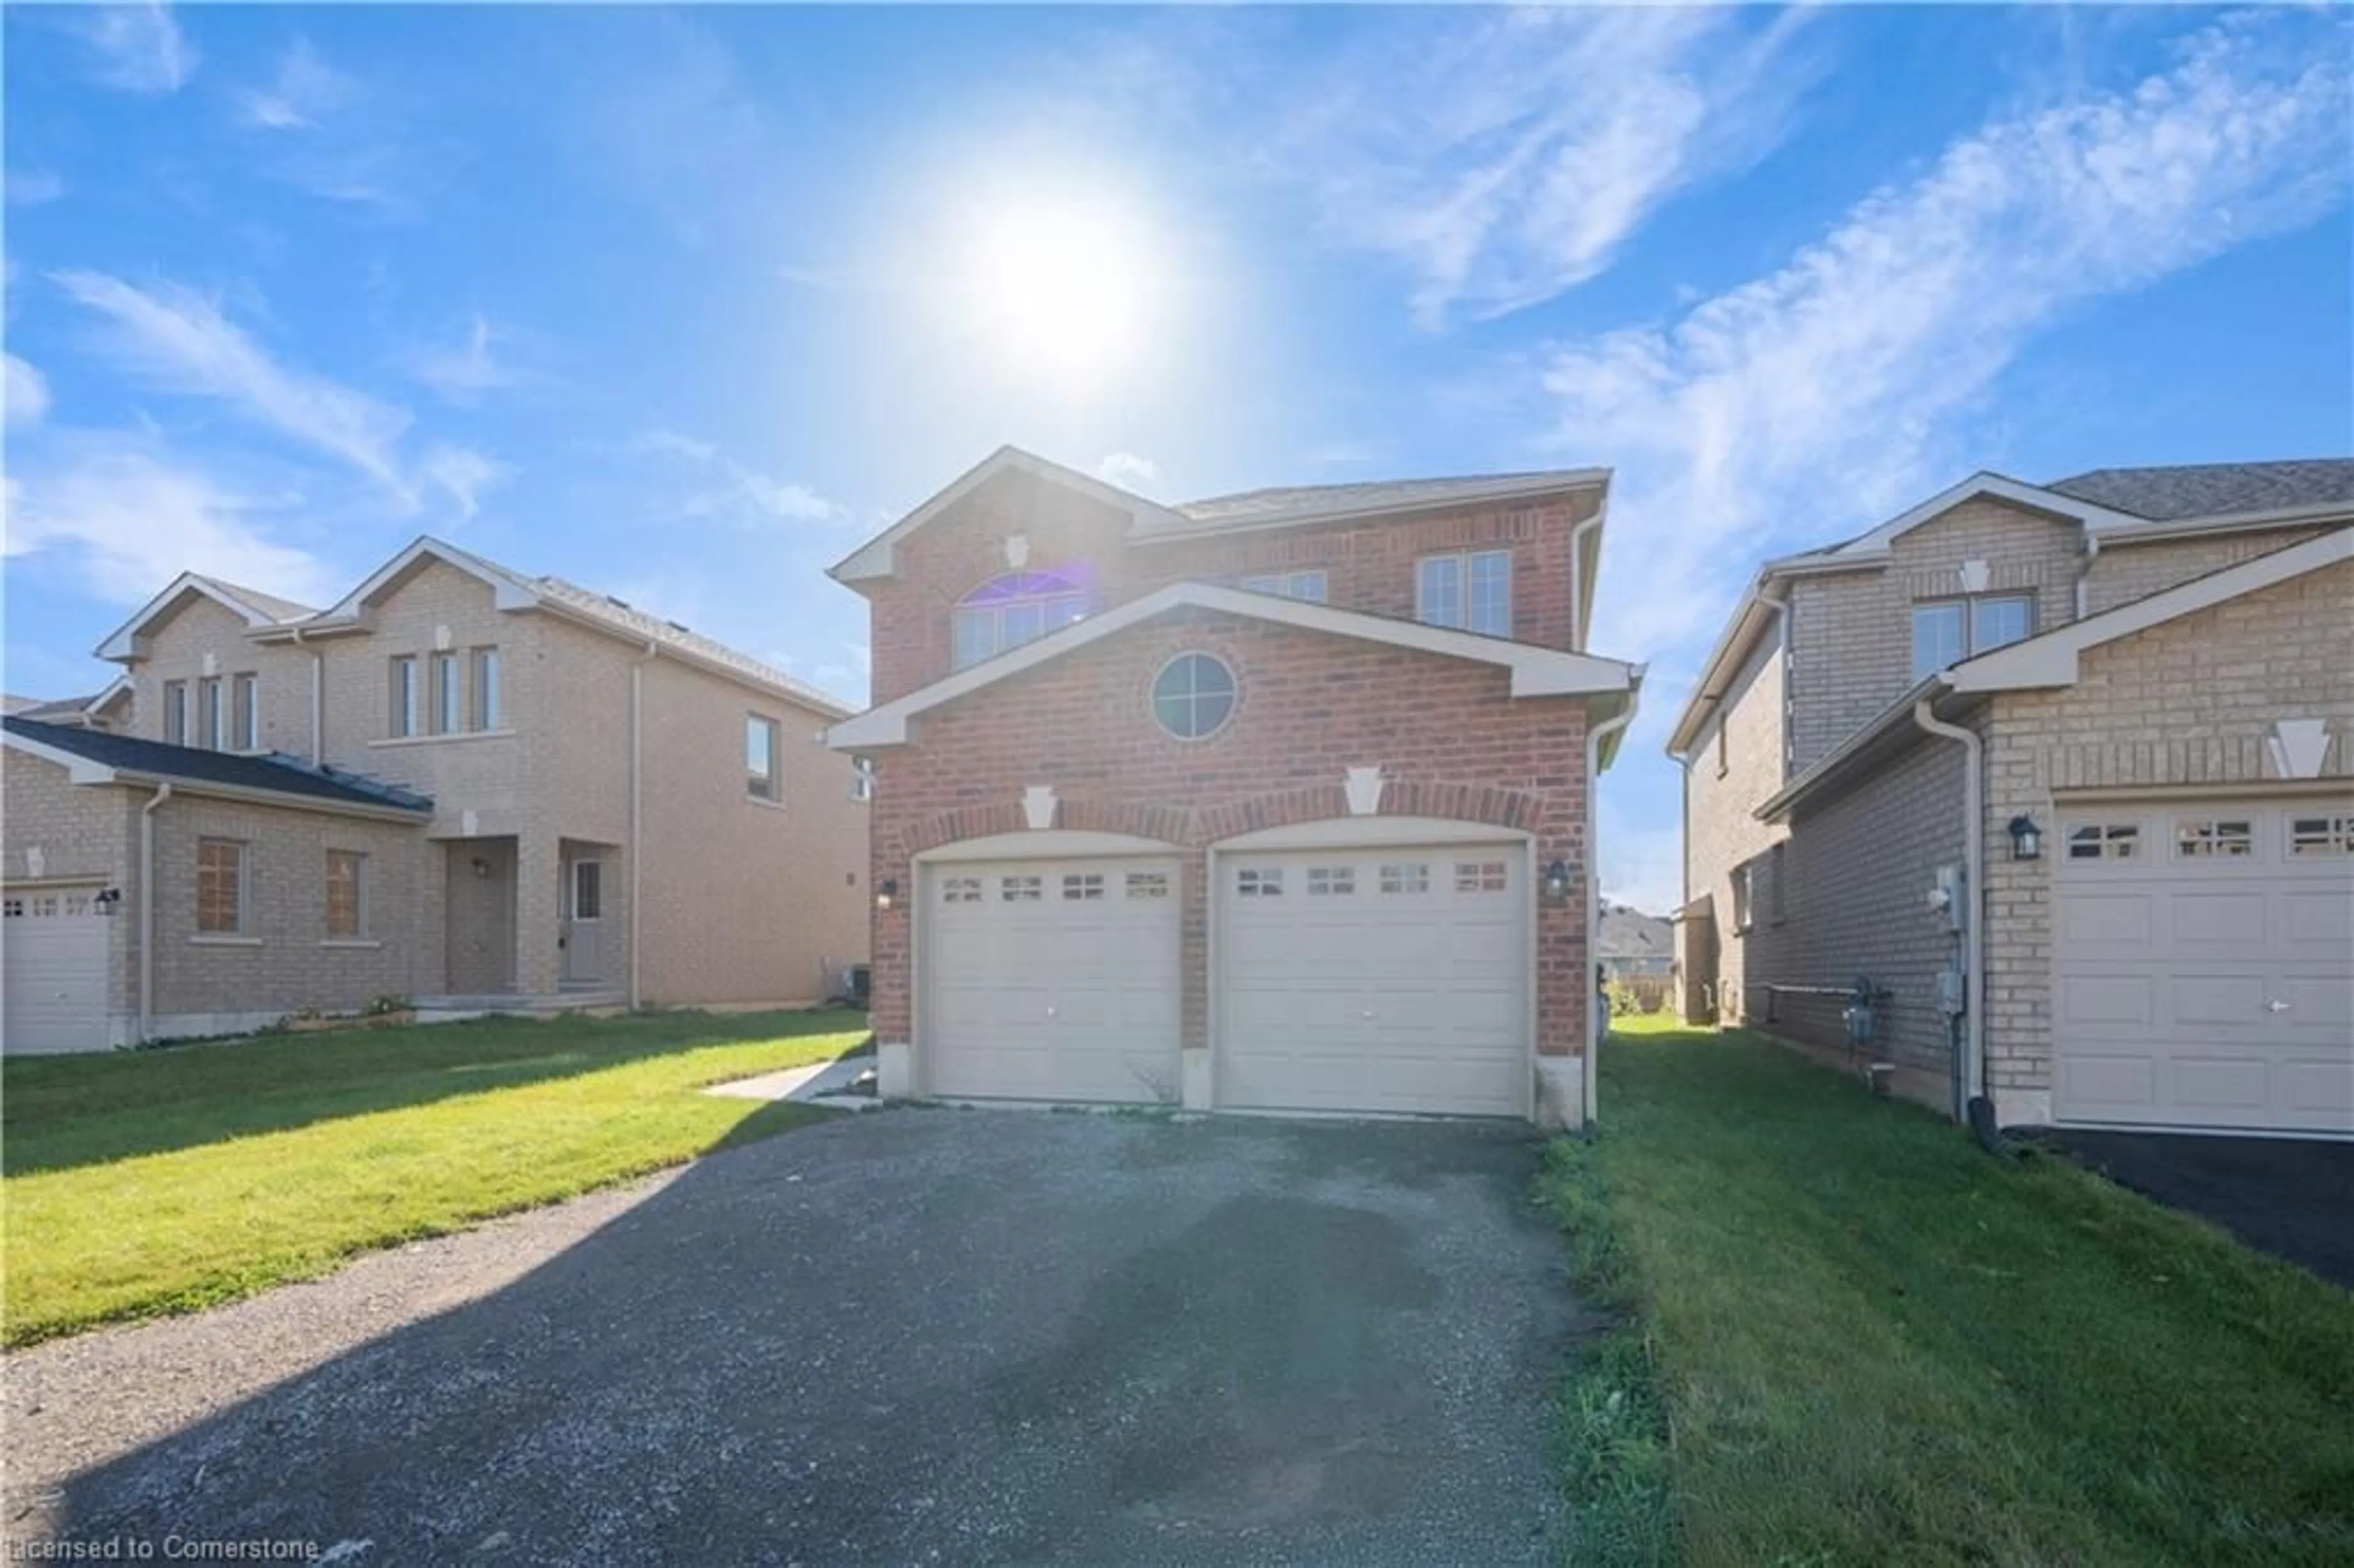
1277,802
2063,776
459,785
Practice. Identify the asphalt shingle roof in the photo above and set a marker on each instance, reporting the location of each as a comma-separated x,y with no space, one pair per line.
1628,933
2214,489
639,623
1321,500
269,604
281,775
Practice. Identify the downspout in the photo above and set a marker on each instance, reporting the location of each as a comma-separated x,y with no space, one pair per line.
318,700
1577,572
637,805
1973,917
1593,740
2083,586
147,910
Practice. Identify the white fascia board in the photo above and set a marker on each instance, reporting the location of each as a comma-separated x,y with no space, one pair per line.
874,558
1536,672
2050,660
508,590
1725,661
123,642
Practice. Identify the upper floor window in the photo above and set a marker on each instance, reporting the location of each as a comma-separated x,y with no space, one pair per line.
1473,591
488,711
246,711
1018,608
1311,586
1951,630
176,712
404,695
449,700
760,779
212,718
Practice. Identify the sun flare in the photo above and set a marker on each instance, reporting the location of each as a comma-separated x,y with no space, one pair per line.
1064,290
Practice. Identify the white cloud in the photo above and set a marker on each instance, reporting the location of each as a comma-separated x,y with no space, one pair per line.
462,474
1507,159
736,492
1832,391
130,518
27,394
461,372
138,49
1129,472
33,187
178,340
305,91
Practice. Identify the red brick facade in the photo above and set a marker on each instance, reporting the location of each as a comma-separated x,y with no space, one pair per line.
1450,740
1369,565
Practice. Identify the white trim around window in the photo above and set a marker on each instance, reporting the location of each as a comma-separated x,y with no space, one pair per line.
1947,631
1467,590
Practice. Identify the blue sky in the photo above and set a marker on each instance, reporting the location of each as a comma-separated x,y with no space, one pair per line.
684,304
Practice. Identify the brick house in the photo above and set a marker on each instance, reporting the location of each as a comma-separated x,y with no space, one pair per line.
461,785
1276,801
2066,775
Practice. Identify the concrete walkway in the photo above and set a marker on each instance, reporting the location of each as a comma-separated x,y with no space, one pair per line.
817,1084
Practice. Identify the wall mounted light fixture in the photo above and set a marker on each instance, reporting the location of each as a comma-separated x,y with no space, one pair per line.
889,894
1556,882
481,868
2026,838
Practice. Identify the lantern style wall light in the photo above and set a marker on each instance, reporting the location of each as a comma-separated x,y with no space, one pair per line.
889,894
2026,838
1556,882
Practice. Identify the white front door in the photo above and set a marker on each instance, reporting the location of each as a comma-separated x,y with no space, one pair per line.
584,921
1050,980
1376,979
54,979
2203,965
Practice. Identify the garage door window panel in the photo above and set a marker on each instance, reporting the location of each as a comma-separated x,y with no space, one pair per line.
2104,840
1083,886
1021,889
1481,876
1331,880
1407,879
1146,885
1255,882
2320,836
2232,838
960,890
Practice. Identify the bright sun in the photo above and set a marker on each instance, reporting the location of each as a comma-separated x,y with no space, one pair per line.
1065,291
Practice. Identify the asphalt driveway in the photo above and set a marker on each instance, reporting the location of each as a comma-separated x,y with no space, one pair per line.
926,1335
2291,1197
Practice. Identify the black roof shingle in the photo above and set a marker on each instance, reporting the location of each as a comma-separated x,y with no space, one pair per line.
2214,489
278,775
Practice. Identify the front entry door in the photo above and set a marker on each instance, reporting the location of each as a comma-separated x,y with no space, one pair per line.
584,921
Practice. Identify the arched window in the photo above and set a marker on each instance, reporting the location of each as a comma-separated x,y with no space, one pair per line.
1018,608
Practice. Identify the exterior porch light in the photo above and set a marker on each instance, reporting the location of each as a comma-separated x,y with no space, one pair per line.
2026,838
1556,882
889,894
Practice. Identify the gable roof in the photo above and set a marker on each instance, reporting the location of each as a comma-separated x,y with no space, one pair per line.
97,757
1536,672
276,619
1627,933
2214,489
2119,505
876,557
254,608
2050,660
80,710
1283,507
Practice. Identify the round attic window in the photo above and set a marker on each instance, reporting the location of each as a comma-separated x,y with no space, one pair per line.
1194,696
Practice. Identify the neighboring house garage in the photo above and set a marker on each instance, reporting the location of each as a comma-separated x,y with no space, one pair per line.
2199,958
55,943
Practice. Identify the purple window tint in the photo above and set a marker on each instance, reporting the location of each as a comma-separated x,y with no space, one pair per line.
1031,584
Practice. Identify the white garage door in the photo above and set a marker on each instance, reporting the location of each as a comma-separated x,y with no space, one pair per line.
1051,980
1376,979
55,979
2203,965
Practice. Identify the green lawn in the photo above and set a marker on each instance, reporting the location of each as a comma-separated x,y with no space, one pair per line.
160,1181
1853,1337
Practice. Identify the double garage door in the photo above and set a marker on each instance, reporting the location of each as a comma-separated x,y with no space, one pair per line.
1370,979
2203,965
53,944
